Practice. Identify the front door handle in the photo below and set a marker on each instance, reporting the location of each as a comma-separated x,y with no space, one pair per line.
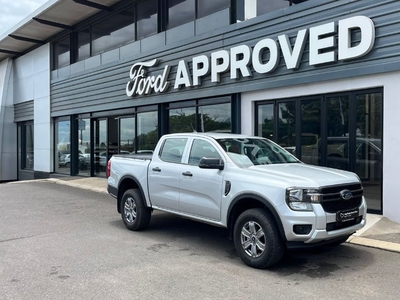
156,169
187,174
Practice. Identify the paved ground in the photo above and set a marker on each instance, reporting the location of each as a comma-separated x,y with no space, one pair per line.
380,232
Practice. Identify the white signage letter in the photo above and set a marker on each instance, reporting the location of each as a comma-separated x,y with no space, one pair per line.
240,59
317,43
365,24
182,75
201,67
219,64
292,57
274,56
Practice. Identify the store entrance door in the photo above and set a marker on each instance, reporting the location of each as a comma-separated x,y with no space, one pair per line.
105,143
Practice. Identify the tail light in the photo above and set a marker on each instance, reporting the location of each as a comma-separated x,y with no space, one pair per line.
109,168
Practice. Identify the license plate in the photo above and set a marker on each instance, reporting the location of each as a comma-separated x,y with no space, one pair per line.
347,215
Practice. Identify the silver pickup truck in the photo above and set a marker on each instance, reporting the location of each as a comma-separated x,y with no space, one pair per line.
268,200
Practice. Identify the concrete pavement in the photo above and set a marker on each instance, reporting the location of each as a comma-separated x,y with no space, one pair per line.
380,232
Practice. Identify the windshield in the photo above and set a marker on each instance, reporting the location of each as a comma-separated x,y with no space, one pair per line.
246,152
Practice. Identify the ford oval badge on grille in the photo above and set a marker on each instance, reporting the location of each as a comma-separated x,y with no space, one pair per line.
346,194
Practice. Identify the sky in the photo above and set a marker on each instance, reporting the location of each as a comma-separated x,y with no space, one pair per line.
13,11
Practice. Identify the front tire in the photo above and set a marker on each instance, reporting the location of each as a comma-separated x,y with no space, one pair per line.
134,213
257,239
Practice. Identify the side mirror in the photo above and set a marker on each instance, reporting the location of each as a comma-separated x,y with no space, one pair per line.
211,163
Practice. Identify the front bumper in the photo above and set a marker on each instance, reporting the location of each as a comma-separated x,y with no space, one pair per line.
325,227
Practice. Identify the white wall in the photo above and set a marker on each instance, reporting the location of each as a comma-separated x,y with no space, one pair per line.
32,82
391,122
8,129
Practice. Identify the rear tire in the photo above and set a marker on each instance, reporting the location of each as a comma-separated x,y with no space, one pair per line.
257,239
134,213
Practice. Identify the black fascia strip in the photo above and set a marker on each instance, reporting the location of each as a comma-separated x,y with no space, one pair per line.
9,52
51,23
93,4
26,39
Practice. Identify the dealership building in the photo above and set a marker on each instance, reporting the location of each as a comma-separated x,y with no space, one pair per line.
83,80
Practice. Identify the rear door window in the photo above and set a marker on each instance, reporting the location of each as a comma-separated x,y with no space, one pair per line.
172,150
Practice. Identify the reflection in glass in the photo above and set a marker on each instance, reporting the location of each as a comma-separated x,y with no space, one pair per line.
182,120
146,18
338,132
205,8
287,125
311,131
63,147
84,147
113,32
147,131
29,147
127,135
369,147
100,147
265,126
248,9
83,44
180,12
62,53
215,117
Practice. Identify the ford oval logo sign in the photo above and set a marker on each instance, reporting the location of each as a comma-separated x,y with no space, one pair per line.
346,194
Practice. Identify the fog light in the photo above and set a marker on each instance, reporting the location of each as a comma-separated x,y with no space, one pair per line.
302,229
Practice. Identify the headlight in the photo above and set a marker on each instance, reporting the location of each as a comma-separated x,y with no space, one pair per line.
301,199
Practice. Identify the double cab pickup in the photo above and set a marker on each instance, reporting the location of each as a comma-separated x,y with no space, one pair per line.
266,198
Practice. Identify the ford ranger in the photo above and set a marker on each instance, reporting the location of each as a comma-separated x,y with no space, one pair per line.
268,200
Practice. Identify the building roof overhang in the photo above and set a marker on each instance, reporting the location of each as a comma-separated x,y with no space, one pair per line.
48,20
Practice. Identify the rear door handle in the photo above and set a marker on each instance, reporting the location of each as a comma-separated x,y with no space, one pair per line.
187,174
156,169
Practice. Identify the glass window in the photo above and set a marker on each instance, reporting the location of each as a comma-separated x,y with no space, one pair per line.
369,147
338,132
172,150
248,9
205,8
215,117
180,12
26,145
266,6
287,125
100,147
127,135
201,149
147,131
62,146
265,125
311,130
83,40
203,118
62,53
113,32
147,18
341,131
84,147
182,119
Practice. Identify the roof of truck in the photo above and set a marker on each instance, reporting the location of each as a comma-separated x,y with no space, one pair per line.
215,135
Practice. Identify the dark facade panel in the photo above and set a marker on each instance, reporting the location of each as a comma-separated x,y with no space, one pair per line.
23,111
103,88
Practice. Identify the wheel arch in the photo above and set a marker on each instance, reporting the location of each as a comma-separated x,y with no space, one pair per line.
247,201
126,183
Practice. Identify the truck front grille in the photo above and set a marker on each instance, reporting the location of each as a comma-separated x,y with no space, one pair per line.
332,202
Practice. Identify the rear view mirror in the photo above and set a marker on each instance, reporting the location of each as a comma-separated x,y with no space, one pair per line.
211,163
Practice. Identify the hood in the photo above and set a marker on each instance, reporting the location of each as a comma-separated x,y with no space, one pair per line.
303,175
